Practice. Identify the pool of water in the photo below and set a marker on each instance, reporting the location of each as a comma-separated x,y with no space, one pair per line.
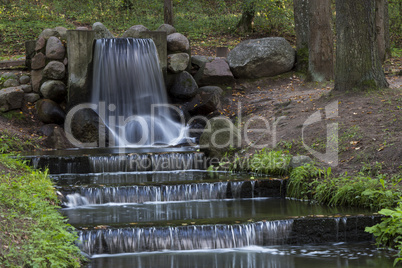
226,210
336,255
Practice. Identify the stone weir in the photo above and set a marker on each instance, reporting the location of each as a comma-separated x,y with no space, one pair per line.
298,231
101,161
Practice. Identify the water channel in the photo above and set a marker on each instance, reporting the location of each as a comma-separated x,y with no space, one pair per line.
194,218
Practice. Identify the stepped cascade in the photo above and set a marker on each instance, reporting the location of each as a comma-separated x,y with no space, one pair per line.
159,207
129,93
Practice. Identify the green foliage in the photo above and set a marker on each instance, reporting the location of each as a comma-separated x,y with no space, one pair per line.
33,229
302,180
310,182
395,23
270,162
11,143
389,231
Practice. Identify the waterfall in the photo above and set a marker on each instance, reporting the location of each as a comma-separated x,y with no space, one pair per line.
163,193
129,93
123,240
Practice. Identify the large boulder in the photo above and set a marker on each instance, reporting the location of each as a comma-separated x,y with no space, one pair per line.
176,42
38,61
177,63
54,90
54,70
184,86
169,29
261,58
49,112
219,135
215,72
85,126
11,98
101,31
206,102
55,49
135,31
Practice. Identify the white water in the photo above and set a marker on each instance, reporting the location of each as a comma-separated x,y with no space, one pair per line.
129,92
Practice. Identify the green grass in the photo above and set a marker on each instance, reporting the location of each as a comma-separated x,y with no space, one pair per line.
32,231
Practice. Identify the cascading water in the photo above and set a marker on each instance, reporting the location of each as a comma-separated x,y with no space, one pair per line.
129,93
185,237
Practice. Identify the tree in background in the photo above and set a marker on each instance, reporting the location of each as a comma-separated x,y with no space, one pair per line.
168,12
358,62
245,24
382,29
301,18
320,41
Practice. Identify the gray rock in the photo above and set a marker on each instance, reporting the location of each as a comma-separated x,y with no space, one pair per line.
31,97
55,49
261,58
184,86
38,61
85,125
219,135
61,32
101,31
169,29
50,112
47,130
206,102
47,33
36,78
54,90
177,62
82,28
176,42
200,61
212,89
26,88
40,44
54,70
134,31
11,98
216,72
300,160
25,79
57,139
11,83
6,76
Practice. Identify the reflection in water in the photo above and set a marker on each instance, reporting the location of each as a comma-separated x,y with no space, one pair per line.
264,208
360,255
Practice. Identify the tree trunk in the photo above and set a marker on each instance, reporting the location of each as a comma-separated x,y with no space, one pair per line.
358,64
168,12
321,41
382,28
301,17
245,25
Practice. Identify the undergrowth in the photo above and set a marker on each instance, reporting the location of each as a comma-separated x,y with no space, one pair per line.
32,231
368,189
